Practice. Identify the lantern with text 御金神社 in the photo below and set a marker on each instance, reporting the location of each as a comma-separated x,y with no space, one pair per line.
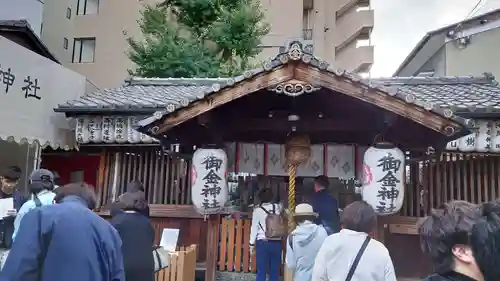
383,178
209,180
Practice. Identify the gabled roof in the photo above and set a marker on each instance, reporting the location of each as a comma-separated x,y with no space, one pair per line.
23,27
189,98
473,21
467,96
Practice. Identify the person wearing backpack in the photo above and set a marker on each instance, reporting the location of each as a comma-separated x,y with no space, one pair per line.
304,242
268,228
41,185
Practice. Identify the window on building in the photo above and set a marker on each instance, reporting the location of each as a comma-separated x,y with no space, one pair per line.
65,43
68,13
363,43
84,50
87,7
426,74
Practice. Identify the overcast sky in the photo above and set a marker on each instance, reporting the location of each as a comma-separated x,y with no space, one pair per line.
400,24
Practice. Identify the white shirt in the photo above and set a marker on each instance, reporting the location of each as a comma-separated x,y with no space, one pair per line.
259,216
338,252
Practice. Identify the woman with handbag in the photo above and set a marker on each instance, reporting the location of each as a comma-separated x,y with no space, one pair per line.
137,236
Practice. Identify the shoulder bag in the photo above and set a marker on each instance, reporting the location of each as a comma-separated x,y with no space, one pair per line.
357,259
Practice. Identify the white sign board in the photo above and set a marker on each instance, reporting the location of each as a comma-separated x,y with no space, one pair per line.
6,204
31,86
169,237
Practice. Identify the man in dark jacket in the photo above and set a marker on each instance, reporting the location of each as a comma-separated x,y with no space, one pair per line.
446,236
9,188
65,241
134,186
326,206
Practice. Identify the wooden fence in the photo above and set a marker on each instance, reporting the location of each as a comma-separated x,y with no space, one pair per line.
182,266
234,249
165,178
453,176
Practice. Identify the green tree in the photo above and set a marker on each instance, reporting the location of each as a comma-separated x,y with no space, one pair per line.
198,38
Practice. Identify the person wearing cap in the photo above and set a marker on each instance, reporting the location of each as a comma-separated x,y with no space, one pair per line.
41,185
304,242
325,205
66,241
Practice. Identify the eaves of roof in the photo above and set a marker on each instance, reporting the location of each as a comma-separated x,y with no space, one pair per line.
22,26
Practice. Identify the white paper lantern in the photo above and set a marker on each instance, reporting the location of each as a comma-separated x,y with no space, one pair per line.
208,180
468,143
383,176
133,135
146,139
452,145
483,138
82,129
108,129
121,134
495,137
95,129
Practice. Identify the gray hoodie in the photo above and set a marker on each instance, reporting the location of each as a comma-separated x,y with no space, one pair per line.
302,246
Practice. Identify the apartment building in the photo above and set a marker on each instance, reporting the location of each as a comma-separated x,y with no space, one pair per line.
467,48
89,36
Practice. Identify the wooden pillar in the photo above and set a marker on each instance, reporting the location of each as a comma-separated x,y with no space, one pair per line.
212,247
100,179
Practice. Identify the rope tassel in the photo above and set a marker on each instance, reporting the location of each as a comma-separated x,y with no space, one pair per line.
291,194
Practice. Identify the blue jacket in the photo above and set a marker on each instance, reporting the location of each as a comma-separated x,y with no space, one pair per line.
302,246
62,242
328,211
46,197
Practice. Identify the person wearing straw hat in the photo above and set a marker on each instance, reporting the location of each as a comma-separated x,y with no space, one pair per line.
304,242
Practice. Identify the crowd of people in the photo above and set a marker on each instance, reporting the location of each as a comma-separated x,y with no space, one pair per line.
52,234
461,238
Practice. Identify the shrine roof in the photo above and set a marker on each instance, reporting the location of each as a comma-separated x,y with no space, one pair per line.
467,96
23,27
162,96
144,95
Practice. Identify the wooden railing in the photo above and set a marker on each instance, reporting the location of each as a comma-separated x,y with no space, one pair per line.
182,266
234,250
453,176
165,178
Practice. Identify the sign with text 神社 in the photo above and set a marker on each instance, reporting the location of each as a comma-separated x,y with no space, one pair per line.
31,86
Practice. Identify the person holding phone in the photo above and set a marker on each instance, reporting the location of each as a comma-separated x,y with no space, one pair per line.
9,180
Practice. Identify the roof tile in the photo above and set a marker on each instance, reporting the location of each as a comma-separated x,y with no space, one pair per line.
462,94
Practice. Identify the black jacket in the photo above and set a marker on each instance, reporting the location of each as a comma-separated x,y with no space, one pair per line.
450,276
137,236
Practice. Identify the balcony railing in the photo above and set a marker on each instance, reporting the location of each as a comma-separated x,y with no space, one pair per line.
307,34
